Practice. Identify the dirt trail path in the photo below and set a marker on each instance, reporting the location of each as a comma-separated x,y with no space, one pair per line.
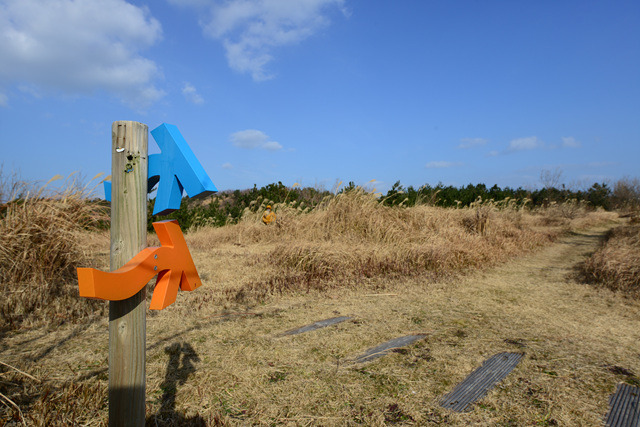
579,342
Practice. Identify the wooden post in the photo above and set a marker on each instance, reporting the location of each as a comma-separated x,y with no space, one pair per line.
127,318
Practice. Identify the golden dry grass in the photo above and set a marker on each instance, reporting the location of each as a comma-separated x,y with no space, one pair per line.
215,368
616,264
351,239
216,356
42,240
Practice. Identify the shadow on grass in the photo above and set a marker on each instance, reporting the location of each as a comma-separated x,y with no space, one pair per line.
181,364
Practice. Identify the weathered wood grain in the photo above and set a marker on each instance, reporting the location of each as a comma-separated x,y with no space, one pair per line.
127,321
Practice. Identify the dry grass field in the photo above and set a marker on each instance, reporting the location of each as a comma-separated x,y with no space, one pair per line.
475,281
616,264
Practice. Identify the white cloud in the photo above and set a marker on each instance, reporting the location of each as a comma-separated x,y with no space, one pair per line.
272,146
30,90
4,101
250,30
471,142
191,94
249,138
442,165
522,144
570,142
254,139
227,166
79,46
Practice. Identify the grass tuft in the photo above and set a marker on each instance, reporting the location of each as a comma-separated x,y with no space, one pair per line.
616,264
352,238
42,241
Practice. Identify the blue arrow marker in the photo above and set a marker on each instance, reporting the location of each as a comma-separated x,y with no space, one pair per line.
177,168
107,187
174,170
107,190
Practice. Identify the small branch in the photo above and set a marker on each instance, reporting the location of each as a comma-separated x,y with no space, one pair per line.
232,314
15,406
18,370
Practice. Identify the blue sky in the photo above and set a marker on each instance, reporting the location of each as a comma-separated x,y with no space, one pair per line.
317,91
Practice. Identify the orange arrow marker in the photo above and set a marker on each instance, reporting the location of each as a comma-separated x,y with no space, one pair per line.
171,261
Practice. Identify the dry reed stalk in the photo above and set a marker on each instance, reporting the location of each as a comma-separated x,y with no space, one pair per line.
54,402
211,369
18,370
41,230
616,265
351,238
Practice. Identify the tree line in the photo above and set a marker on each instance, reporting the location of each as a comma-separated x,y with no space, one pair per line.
227,207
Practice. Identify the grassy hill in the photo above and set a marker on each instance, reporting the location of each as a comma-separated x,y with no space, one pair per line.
475,279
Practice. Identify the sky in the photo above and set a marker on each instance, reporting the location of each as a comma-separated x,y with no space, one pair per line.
320,91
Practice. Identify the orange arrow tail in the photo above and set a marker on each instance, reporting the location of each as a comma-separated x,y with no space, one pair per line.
120,284
172,262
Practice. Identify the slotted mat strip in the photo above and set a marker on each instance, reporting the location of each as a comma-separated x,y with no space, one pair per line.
623,407
480,381
316,325
384,348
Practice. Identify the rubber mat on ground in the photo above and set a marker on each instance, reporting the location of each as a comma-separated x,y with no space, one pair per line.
480,381
316,325
623,407
385,348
